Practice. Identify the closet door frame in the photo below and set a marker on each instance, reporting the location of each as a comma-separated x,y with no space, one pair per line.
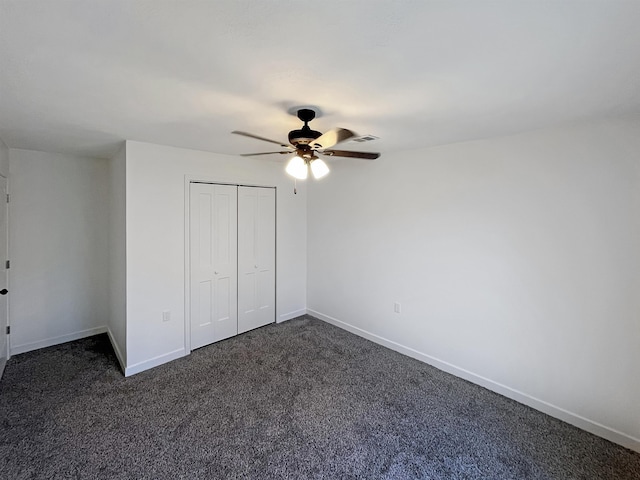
188,180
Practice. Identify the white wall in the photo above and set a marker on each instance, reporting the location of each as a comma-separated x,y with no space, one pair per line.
58,248
515,261
155,226
117,256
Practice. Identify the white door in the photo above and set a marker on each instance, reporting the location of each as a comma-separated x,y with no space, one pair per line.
4,339
213,262
256,257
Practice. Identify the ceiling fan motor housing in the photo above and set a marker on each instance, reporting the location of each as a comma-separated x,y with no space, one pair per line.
304,135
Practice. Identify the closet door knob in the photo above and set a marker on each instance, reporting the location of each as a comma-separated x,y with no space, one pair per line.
4,291
215,273
256,266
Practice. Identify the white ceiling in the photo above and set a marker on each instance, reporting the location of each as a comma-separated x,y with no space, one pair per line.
80,76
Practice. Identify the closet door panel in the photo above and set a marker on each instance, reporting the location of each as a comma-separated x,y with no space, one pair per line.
256,257
213,254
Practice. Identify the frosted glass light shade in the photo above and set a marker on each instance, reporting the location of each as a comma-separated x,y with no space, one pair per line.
297,168
319,168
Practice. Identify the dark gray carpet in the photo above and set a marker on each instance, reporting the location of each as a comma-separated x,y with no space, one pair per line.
298,400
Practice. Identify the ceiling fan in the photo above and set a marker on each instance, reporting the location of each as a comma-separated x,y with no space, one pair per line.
306,144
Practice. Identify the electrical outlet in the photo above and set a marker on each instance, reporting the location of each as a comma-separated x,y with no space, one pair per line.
397,308
166,315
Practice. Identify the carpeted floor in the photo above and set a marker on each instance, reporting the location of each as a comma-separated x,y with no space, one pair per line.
297,400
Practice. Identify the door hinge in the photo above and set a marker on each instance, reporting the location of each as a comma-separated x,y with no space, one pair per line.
8,329
7,198
7,265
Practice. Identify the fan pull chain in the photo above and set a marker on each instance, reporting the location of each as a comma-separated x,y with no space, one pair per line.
295,186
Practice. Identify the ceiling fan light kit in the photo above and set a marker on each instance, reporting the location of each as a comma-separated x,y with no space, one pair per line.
318,168
306,143
297,168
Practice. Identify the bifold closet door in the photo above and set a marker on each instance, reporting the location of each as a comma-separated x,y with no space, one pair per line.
256,257
213,262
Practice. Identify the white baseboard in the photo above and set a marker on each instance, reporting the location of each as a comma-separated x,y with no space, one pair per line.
48,342
288,316
574,419
118,352
153,362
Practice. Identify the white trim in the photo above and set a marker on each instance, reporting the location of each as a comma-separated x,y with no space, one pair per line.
3,360
48,342
574,419
288,316
197,178
116,349
7,278
153,362
187,265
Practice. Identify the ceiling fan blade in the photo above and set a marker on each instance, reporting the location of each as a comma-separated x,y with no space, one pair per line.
251,135
331,138
265,153
350,154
